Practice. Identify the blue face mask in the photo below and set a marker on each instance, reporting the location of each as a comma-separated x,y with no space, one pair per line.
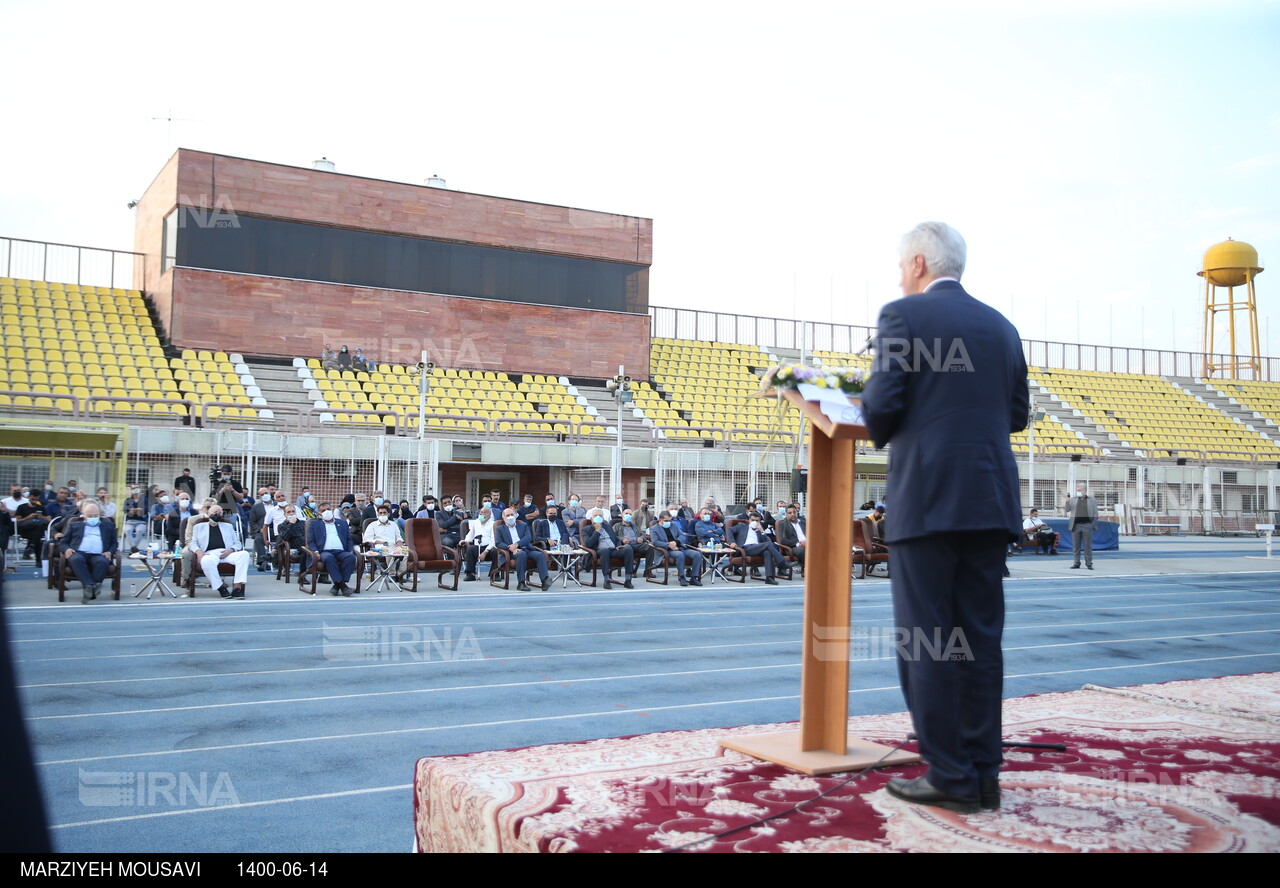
92,522
626,518
597,520
666,525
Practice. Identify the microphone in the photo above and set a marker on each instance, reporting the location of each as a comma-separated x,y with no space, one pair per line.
866,346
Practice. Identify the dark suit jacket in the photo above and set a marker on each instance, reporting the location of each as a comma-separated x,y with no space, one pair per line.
316,534
591,536
786,532
948,387
659,536
75,536
542,530
738,534
504,536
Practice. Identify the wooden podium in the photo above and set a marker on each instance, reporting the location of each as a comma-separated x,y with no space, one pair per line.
822,745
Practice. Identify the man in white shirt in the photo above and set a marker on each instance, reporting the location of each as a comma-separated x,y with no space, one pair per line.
479,541
1035,530
387,532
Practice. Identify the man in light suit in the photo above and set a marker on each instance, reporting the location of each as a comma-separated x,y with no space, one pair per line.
948,387
216,541
514,538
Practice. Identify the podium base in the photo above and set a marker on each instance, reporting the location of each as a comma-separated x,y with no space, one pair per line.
784,749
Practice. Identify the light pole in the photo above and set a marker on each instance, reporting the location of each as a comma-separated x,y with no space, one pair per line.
1036,416
423,369
620,385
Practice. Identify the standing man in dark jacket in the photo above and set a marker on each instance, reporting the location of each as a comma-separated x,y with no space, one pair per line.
948,387
1082,509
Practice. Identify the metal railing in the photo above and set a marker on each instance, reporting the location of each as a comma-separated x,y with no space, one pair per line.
71,264
783,333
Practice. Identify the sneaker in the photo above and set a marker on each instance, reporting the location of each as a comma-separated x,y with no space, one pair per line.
238,592
224,591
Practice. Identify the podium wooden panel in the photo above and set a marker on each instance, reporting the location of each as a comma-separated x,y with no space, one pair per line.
822,745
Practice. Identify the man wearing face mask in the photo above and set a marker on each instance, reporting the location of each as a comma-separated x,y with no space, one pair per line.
751,540
479,542
216,542
634,538
665,537
90,546
135,519
384,530
291,534
227,491
330,537
619,506
600,538
527,511
173,524
513,537
707,529
573,516
258,518
1082,510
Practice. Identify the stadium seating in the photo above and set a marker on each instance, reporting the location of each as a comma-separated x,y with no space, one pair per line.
1153,415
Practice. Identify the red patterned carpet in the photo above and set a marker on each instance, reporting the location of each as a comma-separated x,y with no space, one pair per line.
1188,766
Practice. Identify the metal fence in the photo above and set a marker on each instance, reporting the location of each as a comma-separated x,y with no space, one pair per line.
782,333
70,264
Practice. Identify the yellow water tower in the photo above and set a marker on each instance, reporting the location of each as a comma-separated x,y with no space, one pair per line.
1227,266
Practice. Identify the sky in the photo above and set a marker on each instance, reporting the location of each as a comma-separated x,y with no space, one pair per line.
1089,152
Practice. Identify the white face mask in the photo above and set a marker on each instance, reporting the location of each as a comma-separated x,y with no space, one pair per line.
755,525
327,514
164,499
383,519
293,519
184,504
511,520
448,508
266,497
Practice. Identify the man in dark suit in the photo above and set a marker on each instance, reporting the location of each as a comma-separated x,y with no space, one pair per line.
514,538
330,538
90,545
792,532
749,537
665,537
600,538
948,387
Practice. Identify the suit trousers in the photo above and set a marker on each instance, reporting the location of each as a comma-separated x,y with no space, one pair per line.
610,557
338,564
948,606
239,559
90,569
521,559
1082,536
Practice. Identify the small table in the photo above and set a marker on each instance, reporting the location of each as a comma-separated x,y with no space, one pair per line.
157,565
383,559
715,561
566,556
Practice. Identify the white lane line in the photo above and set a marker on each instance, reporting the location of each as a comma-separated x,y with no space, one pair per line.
213,809
598,678
519,639
497,660
650,615
608,712
411,691
428,730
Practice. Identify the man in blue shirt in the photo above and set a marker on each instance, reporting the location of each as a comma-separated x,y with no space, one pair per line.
90,546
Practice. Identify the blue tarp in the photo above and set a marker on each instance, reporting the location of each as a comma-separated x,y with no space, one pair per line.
1106,534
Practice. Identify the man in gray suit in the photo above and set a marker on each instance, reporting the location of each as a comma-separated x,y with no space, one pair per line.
1082,509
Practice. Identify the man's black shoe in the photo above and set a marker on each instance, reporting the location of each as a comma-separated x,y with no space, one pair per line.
921,792
683,581
237,591
1090,566
989,793
1075,567
346,590
522,587
697,581
627,584
770,581
546,584
608,585
335,590
224,591
470,578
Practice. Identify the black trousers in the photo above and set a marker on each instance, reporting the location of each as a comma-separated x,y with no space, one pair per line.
948,606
